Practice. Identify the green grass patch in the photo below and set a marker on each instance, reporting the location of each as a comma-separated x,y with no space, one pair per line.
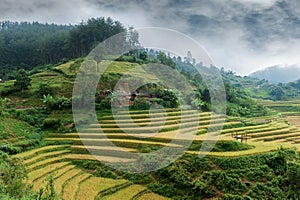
222,146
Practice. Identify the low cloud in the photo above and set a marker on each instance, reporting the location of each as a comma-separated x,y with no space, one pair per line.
241,35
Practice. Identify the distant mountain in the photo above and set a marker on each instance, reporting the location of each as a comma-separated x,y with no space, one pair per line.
278,74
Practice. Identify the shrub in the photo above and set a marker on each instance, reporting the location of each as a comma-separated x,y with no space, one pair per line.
140,104
52,123
7,90
45,89
169,98
223,146
105,173
261,191
34,117
57,103
293,176
27,144
223,182
231,146
165,190
105,104
278,163
202,190
10,149
232,197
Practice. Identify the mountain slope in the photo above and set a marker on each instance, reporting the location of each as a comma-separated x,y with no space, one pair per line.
278,74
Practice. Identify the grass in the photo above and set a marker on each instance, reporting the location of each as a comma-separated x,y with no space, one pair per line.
45,162
245,128
41,182
285,107
13,128
61,171
95,157
30,98
121,112
62,85
44,155
70,156
103,148
126,193
112,140
271,126
130,69
156,121
31,153
72,186
152,196
160,126
65,68
266,129
272,133
284,137
146,118
33,175
294,120
90,188
61,181
260,147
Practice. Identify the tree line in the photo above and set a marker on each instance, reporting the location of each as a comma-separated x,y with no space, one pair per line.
26,45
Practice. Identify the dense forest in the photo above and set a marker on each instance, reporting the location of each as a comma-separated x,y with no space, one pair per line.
26,45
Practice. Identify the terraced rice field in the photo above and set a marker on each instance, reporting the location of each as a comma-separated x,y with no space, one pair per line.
265,134
128,193
69,181
72,186
284,107
294,120
91,187
159,127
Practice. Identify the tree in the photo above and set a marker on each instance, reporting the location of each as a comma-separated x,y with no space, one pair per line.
163,59
143,55
22,80
13,179
277,93
189,58
133,37
12,176
40,44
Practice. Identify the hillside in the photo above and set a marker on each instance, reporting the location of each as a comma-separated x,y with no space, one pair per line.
234,169
263,89
278,74
149,142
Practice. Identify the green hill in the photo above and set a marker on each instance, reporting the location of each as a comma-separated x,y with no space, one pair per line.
262,88
278,74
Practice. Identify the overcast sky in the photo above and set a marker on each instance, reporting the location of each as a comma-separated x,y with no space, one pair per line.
240,35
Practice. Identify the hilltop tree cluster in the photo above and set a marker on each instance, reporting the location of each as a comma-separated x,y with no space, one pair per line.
25,45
